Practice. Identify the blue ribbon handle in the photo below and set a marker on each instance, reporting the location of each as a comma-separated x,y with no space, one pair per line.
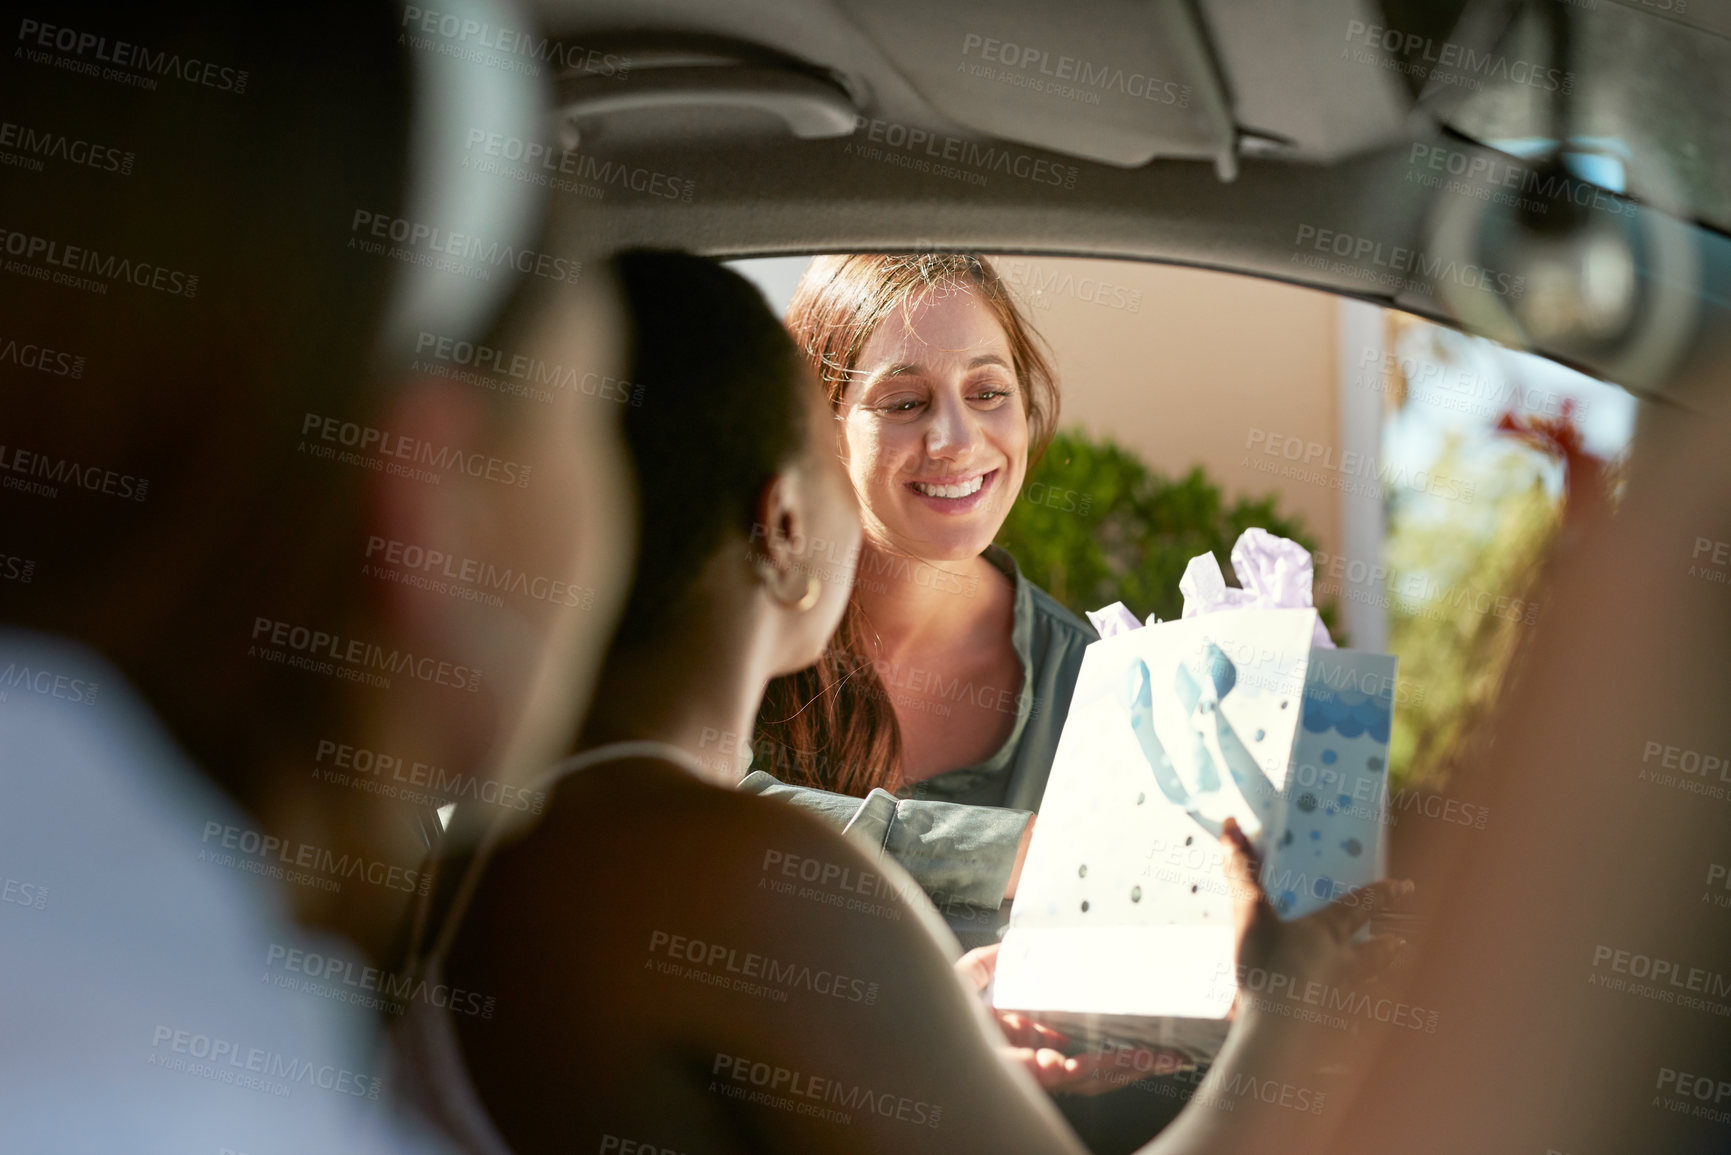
1142,723
1258,791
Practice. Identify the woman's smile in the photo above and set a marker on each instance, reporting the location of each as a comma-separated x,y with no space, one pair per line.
955,494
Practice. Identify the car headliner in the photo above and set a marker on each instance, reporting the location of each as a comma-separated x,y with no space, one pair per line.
760,191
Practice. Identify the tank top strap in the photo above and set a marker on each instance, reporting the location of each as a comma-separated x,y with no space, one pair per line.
617,752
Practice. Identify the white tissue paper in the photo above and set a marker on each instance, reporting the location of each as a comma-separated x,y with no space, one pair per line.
1276,574
1110,621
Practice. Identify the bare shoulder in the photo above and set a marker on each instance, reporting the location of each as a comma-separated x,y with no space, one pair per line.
733,951
757,862
668,893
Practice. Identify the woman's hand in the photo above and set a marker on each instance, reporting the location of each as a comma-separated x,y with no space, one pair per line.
1285,968
1317,948
1039,1050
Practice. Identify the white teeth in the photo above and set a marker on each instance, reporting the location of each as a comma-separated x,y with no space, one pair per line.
964,489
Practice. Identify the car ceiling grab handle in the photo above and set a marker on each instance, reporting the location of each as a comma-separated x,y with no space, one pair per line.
812,109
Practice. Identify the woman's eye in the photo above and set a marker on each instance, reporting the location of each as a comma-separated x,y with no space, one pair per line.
991,394
905,406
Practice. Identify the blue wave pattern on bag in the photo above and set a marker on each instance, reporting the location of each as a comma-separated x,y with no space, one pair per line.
1347,712
1337,783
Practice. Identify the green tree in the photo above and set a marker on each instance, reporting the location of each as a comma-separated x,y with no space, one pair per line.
1463,597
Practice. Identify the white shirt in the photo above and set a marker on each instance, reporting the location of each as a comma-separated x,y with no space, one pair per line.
139,1007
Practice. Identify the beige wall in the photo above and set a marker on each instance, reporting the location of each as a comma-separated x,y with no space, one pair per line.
1201,360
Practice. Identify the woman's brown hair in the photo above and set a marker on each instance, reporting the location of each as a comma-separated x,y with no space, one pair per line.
832,725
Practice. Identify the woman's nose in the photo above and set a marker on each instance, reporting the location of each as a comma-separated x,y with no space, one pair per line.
952,430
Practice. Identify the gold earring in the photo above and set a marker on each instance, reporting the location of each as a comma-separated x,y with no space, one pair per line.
813,591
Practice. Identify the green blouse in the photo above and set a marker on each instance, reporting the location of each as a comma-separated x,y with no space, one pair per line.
957,832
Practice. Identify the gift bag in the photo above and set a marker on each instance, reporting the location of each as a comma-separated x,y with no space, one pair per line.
1122,924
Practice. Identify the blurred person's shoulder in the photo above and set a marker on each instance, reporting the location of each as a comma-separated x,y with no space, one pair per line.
143,935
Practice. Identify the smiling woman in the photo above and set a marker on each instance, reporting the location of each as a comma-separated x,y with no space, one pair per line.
934,437
950,678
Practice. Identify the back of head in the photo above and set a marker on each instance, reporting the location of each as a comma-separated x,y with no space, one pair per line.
191,299
718,407
217,299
